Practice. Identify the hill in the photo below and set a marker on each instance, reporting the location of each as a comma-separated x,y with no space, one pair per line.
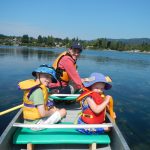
134,41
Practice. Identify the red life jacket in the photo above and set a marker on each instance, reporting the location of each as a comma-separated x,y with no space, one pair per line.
88,116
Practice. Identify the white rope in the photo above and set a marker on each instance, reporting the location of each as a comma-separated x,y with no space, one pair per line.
59,126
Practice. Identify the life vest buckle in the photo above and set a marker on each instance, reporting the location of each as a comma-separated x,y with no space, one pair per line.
87,115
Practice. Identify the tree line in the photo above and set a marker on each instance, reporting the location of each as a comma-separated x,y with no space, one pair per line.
50,41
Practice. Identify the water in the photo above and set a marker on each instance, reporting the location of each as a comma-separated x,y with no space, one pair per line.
131,84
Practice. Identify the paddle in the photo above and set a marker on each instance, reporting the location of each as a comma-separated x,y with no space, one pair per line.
10,110
53,96
68,97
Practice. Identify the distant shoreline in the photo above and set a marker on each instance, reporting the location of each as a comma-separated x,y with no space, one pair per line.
137,51
130,51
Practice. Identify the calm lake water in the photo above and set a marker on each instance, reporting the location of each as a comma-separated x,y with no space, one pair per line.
131,84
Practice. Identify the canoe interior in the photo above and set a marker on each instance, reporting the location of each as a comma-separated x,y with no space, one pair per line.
117,140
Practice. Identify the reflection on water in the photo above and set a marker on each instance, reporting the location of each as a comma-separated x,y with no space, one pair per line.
131,84
26,53
120,58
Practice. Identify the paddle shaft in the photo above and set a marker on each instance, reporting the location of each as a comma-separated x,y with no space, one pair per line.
20,106
10,110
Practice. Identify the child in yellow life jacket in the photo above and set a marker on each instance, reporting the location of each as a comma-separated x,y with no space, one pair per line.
94,103
37,109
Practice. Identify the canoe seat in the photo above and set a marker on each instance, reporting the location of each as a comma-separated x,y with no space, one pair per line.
57,136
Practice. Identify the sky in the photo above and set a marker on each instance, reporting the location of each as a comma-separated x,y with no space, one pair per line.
82,19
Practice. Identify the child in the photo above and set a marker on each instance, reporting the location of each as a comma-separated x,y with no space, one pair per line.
36,108
94,103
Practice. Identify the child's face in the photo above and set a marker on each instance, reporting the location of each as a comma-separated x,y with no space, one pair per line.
98,87
45,79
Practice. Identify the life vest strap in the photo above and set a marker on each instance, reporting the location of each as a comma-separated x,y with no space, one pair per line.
82,96
29,105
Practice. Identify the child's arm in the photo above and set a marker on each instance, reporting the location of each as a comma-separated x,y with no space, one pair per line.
46,113
38,99
97,108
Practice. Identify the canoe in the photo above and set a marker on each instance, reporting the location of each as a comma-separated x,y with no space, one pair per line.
117,141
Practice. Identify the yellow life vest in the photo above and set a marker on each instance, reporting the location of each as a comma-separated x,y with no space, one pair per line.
30,111
110,108
61,73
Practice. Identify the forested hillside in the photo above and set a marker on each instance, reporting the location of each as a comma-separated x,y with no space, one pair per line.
140,44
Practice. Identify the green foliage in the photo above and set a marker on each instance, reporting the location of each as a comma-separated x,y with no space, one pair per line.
25,39
40,39
99,44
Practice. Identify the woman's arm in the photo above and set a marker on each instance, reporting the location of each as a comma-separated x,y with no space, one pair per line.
68,64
